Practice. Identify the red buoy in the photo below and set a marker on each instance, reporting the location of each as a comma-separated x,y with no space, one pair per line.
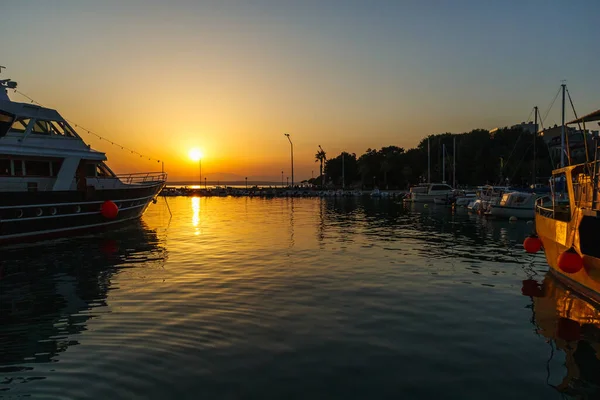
532,288
570,261
568,330
532,244
109,210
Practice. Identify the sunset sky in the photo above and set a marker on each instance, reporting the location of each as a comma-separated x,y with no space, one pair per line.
231,77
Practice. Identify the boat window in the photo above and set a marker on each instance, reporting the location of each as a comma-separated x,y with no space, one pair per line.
90,169
18,167
4,167
6,121
37,168
68,131
20,125
60,128
41,128
558,184
103,171
56,167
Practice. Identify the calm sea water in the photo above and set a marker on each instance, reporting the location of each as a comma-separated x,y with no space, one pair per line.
290,298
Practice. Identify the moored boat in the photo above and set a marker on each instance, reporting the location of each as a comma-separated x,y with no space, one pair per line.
427,193
520,205
53,184
568,227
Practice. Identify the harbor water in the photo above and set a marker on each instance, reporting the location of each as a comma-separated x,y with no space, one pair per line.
312,298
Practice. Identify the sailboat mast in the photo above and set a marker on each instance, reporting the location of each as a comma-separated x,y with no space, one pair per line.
562,132
343,173
454,163
428,161
443,163
535,132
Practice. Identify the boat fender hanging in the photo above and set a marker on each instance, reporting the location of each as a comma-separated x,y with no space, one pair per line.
532,244
109,210
570,261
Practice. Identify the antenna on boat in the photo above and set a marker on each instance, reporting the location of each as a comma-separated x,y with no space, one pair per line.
6,84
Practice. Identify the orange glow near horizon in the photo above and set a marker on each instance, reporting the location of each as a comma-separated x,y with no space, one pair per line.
232,77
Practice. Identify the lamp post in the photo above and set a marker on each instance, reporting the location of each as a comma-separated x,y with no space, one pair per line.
204,183
246,183
282,178
287,181
292,155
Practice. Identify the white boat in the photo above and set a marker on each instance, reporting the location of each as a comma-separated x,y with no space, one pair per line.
487,196
464,198
427,193
53,184
520,205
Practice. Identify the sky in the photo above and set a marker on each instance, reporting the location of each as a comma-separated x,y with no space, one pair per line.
231,77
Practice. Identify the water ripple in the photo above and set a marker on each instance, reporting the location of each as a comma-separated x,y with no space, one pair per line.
276,298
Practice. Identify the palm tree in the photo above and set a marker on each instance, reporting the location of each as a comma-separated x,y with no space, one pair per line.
321,157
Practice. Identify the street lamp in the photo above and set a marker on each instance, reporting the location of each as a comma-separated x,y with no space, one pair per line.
287,181
292,153
282,178
246,183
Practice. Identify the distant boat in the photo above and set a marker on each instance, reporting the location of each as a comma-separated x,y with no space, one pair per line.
520,205
428,192
487,196
53,184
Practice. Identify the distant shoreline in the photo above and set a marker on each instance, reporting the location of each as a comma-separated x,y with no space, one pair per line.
224,183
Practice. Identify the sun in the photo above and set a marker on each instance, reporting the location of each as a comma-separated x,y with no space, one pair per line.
195,154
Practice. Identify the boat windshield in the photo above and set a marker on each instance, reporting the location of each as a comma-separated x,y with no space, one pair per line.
6,121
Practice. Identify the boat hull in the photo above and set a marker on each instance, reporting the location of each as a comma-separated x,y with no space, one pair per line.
427,198
558,236
34,216
505,212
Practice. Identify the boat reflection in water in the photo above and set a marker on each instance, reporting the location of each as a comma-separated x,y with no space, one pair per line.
48,294
572,325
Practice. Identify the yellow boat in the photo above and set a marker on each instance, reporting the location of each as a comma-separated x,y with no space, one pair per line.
569,227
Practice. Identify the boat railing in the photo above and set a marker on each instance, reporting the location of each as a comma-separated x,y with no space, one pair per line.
143,178
559,210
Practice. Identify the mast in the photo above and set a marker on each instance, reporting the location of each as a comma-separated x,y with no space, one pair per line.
428,162
562,131
343,175
454,161
443,163
535,132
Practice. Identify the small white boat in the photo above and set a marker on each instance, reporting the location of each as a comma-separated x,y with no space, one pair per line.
427,193
520,205
486,197
464,198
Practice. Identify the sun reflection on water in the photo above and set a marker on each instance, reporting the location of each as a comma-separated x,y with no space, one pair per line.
196,213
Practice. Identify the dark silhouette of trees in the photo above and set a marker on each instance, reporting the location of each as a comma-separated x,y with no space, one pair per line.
506,155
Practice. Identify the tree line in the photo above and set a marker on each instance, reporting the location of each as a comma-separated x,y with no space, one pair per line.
504,156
